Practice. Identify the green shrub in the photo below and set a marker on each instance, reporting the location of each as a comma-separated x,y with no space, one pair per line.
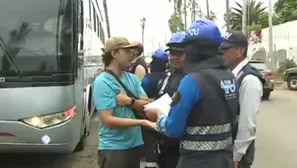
288,63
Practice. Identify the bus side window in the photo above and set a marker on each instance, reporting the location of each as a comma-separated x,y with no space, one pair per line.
94,18
102,35
81,24
99,26
90,14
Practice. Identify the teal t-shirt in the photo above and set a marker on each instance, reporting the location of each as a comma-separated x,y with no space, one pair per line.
105,88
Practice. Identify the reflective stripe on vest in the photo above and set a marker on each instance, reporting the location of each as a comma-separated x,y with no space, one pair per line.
148,164
204,130
207,145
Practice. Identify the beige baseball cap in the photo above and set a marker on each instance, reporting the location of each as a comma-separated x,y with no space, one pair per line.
117,42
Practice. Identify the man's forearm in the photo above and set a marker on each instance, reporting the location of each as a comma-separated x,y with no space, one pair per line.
138,104
144,98
116,122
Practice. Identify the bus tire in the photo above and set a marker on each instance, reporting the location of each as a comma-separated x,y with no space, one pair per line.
82,142
90,101
91,108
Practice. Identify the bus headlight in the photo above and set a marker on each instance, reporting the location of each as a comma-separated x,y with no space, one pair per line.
50,120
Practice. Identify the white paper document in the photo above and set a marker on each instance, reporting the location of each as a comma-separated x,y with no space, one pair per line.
163,104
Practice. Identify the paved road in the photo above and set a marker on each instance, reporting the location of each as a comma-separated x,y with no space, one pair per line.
276,144
84,159
277,135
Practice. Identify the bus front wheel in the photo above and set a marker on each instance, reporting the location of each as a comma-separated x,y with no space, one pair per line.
82,142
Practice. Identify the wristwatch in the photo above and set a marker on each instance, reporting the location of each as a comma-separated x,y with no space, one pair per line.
132,101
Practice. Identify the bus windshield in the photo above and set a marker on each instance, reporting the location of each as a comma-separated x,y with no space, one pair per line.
37,36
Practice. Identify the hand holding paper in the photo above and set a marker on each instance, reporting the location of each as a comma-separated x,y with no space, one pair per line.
161,105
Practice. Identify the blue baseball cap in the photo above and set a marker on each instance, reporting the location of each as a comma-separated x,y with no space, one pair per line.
176,41
204,28
161,54
177,38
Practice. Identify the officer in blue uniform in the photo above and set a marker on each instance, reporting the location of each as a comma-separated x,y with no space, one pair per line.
204,107
157,82
158,71
149,84
169,147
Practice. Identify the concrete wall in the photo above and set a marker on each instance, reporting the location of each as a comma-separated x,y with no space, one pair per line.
285,45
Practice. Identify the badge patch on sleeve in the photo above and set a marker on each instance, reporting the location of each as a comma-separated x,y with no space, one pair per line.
176,98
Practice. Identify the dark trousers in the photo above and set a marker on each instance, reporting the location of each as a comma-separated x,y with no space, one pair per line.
129,158
149,152
248,159
216,159
169,155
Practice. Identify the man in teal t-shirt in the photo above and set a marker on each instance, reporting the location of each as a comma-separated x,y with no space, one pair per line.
105,92
120,133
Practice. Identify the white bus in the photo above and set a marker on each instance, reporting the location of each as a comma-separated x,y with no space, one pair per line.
48,53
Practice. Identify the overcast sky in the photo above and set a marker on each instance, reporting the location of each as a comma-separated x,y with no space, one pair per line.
125,18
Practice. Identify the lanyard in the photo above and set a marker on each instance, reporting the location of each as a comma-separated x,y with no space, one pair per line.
165,83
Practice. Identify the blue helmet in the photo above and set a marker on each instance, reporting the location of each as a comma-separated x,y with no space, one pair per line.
161,54
177,38
204,28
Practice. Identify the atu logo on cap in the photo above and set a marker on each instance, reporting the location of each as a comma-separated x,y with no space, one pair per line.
227,36
193,32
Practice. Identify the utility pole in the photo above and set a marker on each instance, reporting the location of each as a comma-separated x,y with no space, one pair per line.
185,16
228,15
193,19
207,9
142,24
270,30
244,17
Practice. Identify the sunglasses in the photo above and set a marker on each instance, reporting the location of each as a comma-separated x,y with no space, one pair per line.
225,49
222,49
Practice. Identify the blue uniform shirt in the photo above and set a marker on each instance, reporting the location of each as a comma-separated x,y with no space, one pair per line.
147,83
105,89
150,83
175,123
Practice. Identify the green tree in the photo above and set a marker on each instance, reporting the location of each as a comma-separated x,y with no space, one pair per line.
286,10
175,23
255,12
194,9
255,27
212,16
177,6
286,64
264,20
